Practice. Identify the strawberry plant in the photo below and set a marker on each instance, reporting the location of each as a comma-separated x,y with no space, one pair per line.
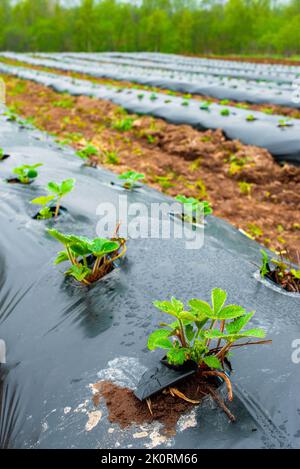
131,179
193,206
87,152
280,272
250,118
56,193
203,333
225,112
26,173
284,123
204,106
91,259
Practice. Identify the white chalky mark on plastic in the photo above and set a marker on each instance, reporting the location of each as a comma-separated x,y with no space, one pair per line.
140,435
45,427
67,410
187,421
123,371
94,419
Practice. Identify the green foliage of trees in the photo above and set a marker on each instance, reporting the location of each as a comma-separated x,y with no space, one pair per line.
176,26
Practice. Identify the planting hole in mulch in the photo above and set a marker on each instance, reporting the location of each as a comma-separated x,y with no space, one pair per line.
285,280
167,407
62,211
4,157
17,181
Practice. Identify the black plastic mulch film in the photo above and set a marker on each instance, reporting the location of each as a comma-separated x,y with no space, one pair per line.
218,82
62,338
282,142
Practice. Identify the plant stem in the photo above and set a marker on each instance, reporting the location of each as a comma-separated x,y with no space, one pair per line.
57,208
222,326
96,265
183,340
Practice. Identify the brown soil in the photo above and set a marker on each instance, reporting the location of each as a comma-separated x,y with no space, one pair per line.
125,409
266,108
286,280
244,184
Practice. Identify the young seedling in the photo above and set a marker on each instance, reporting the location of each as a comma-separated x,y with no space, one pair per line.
140,96
153,97
111,157
284,123
91,259
185,103
131,179
124,125
27,173
56,193
251,118
225,112
87,152
280,272
204,106
204,334
192,207
245,188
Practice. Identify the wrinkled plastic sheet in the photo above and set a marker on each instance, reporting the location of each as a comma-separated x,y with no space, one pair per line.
274,76
62,338
218,87
185,60
282,143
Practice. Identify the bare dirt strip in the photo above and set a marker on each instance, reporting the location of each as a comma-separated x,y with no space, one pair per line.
243,183
266,108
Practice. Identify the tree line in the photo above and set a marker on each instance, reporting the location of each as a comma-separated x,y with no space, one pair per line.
175,26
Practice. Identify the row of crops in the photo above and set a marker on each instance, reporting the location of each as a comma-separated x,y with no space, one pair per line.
279,135
216,82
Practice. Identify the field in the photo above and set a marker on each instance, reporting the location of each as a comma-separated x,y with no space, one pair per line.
220,136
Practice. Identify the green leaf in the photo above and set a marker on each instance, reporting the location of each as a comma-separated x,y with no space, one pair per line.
238,324
102,246
32,173
177,356
202,308
54,187
214,334
218,298
62,256
230,312
79,272
173,307
43,200
258,333
188,316
212,361
265,268
189,332
159,339
62,238
67,186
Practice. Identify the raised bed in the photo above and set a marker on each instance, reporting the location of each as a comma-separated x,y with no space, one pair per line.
279,137
62,339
